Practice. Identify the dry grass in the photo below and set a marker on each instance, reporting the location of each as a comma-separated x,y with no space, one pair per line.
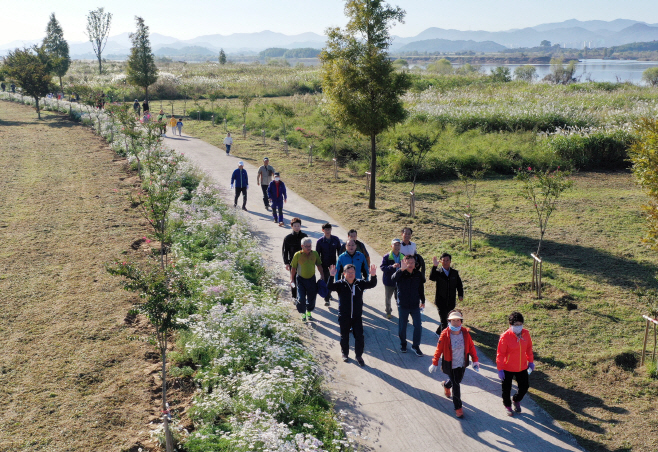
73,374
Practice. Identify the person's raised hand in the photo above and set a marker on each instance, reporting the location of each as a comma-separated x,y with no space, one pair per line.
435,261
403,264
332,270
373,270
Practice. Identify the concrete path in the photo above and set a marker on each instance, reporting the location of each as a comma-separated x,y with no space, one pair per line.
393,403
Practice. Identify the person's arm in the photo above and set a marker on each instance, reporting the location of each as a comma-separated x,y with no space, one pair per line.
364,270
283,192
501,353
339,268
421,291
293,267
285,252
372,282
259,177
396,276
528,351
233,178
331,283
460,288
319,267
246,179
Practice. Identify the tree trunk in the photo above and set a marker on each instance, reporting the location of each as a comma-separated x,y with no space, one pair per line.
36,100
146,93
169,444
373,169
100,64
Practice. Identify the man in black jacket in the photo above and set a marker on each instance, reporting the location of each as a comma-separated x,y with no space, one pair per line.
410,297
448,286
350,307
291,244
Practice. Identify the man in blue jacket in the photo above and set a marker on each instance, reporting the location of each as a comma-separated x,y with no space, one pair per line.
410,294
390,264
327,247
354,257
350,308
240,180
277,195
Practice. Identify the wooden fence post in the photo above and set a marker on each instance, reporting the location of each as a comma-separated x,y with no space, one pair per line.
412,204
536,274
285,147
310,154
262,132
367,181
244,131
335,169
646,336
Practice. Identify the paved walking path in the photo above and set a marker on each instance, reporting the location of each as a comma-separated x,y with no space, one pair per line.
393,402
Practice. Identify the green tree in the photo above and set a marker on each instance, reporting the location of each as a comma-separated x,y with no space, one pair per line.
441,66
57,48
545,43
651,76
31,69
501,74
98,30
141,69
561,74
222,57
358,79
416,147
527,73
644,156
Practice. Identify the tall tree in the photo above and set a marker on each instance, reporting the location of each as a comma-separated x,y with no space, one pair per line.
98,30
32,69
358,79
222,57
57,48
142,70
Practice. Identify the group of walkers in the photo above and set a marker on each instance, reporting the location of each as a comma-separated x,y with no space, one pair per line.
344,268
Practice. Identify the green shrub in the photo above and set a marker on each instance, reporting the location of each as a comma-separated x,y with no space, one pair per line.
599,150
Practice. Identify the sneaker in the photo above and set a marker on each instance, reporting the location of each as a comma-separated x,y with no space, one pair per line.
417,351
517,407
303,317
360,361
275,220
388,316
327,303
245,209
281,223
508,410
446,391
235,205
309,316
459,412
403,349
345,358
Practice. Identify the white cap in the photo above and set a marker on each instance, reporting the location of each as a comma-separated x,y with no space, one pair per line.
240,163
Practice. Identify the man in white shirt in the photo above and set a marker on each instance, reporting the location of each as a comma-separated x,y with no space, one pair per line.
407,247
228,141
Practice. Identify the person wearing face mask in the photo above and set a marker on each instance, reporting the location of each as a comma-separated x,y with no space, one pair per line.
455,345
276,192
514,360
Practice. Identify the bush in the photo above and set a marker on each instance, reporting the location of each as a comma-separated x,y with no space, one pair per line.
599,150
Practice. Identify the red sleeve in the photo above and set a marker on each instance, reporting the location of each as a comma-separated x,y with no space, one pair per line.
528,351
471,349
437,353
501,354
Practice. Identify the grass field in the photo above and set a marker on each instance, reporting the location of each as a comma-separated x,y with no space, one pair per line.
587,328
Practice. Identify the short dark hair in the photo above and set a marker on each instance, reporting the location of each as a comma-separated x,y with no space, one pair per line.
348,266
352,231
295,220
411,231
409,256
515,317
326,226
446,255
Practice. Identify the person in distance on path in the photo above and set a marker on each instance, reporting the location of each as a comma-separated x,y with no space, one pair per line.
354,257
145,106
276,192
350,308
351,234
327,247
172,125
240,180
291,244
264,177
390,263
410,298
448,287
302,273
455,345
136,108
179,126
515,360
228,142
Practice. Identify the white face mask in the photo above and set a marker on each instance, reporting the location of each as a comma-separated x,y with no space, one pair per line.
517,328
277,179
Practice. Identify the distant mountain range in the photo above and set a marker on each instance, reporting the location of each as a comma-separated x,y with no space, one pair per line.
571,33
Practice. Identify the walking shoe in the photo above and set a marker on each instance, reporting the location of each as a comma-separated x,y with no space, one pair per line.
235,205
303,317
446,391
388,316
508,410
309,316
360,361
459,412
417,351
403,348
517,407
280,223
245,209
345,358
275,220
327,303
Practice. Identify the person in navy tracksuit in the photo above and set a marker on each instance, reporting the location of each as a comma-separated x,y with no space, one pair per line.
350,307
240,180
276,191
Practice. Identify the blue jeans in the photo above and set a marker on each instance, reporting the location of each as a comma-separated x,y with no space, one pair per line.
307,291
403,316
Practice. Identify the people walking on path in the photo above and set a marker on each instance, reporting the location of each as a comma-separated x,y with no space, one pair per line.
276,193
390,264
327,247
172,125
302,274
455,346
448,287
136,108
515,360
350,308
352,234
162,122
228,141
410,298
179,126
240,180
354,257
292,243
145,106
264,177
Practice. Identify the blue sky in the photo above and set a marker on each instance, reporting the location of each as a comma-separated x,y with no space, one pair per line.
27,19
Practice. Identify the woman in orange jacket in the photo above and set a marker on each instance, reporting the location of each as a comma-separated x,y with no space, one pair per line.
455,345
515,360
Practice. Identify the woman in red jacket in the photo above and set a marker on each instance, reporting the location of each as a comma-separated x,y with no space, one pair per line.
514,360
455,345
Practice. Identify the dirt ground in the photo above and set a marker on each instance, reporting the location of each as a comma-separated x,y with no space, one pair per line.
73,370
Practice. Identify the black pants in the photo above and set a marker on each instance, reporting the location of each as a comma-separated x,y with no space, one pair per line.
454,378
444,309
325,273
242,190
357,330
521,381
266,199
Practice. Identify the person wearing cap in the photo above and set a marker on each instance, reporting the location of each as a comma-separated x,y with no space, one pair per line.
448,287
410,297
240,180
514,360
276,193
455,346
302,273
390,264
264,177
327,247
350,308
228,141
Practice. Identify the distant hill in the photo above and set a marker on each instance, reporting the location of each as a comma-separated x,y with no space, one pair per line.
445,45
189,50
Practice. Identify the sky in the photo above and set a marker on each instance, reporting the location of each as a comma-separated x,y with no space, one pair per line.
27,19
